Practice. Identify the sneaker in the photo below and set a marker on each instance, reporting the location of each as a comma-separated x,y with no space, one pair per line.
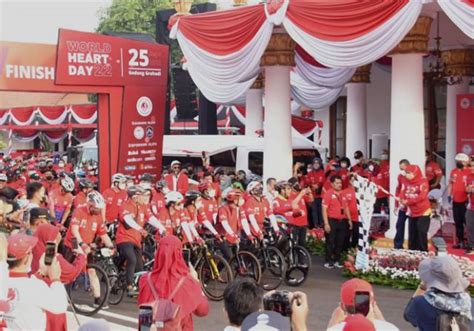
329,265
338,265
97,304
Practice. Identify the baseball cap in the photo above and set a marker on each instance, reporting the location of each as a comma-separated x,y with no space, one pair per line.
35,176
40,213
175,162
462,157
20,245
351,287
357,322
265,320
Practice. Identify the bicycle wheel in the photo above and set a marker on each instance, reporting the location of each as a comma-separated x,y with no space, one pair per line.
246,265
299,263
81,293
273,266
118,286
215,274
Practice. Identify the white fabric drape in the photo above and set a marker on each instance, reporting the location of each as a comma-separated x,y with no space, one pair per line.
225,78
4,118
362,50
326,77
25,139
19,122
81,120
461,13
56,121
311,95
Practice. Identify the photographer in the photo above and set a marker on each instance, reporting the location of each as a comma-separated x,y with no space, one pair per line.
357,297
243,297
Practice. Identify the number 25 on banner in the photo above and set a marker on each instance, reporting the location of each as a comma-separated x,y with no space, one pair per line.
139,57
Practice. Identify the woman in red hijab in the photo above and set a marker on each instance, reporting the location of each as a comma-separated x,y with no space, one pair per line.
69,272
415,197
169,268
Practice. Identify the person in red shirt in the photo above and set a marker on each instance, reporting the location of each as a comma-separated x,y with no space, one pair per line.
400,208
300,199
337,222
85,187
315,181
332,169
415,197
382,179
114,197
349,195
470,209
344,171
177,180
458,195
360,166
214,190
257,209
60,200
133,216
87,223
158,198
433,172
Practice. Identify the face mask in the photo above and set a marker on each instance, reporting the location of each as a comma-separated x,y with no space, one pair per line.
211,193
384,157
259,191
371,168
61,165
343,165
403,172
49,177
199,205
122,186
459,165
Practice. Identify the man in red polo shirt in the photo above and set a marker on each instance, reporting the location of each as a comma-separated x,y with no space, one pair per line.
337,222
433,172
315,181
458,195
177,180
114,197
257,208
349,195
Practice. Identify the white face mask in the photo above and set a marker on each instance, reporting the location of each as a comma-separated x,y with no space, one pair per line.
403,172
122,186
165,190
241,202
371,168
199,205
211,193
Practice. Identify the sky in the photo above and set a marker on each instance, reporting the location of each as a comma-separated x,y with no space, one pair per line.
38,21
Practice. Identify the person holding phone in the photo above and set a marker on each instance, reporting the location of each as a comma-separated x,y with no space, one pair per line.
357,297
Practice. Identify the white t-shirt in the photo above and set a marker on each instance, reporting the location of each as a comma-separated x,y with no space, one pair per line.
31,297
379,326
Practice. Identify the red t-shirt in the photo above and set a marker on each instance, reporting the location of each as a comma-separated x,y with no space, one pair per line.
470,182
80,200
350,197
282,206
141,214
113,201
300,215
90,226
458,180
416,195
207,211
382,179
232,215
315,179
60,202
433,170
259,209
157,202
344,173
170,222
401,185
335,203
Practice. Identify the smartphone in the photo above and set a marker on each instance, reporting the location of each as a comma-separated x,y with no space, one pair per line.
145,318
362,303
74,243
278,301
187,256
49,253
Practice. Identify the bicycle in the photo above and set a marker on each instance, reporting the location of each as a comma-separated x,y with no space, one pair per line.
245,264
272,263
213,270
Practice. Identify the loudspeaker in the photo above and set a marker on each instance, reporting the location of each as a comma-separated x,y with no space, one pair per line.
207,116
184,94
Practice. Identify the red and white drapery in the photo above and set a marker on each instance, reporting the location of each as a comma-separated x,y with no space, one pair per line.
461,12
223,49
82,135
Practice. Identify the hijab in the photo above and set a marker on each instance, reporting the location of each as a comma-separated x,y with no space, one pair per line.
416,171
44,233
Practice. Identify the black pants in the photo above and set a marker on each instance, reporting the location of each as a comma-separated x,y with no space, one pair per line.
335,239
133,255
354,235
400,227
418,233
317,212
299,235
379,203
459,215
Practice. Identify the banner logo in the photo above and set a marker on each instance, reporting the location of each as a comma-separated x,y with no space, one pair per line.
465,103
139,133
144,106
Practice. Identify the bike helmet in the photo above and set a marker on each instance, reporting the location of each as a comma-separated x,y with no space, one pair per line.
173,196
134,190
119,178
160,184
97,199
253,185
281,185
146,177
85,183
233,195
192,195
67,184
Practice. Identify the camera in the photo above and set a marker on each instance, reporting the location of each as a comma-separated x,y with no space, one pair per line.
278,301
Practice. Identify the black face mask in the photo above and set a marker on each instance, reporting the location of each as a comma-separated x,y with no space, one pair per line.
49,177
459,165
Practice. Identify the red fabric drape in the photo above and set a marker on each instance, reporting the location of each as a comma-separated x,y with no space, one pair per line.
83,133
341,20
52,112
84,111
469,2
23,114
307,58
25,133
54,134
223,32
386,61
303,125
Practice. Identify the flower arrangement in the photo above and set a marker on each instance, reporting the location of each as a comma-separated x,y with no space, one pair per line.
316,242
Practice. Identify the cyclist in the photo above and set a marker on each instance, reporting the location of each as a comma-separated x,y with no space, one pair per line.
134,214
85,187
87,223
207,210
60,200
158,197
191,204
114,197
257,208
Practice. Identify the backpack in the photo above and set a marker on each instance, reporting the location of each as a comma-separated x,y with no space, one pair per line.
165,314
447,321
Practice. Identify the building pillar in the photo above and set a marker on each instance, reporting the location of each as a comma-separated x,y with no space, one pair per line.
407,125
277,61
254,108
458,63
356,116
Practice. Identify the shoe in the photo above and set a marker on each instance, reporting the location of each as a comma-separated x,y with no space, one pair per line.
97,302
338,265
457,246
329,265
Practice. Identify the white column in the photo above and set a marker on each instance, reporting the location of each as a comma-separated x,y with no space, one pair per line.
453,91
356,119
253,112
407,126
278,156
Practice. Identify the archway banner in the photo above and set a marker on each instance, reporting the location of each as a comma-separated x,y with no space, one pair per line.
142,69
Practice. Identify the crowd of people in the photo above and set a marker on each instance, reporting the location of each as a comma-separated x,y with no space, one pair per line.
45,200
